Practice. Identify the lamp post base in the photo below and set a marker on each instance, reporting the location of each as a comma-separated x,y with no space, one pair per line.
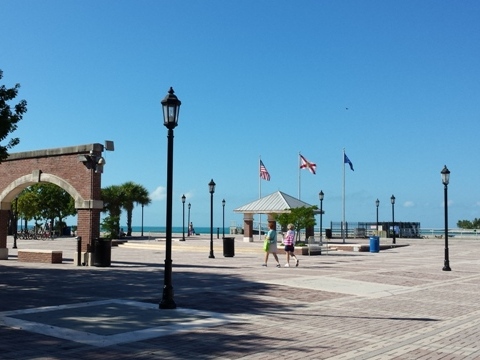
446,267
211,256
167,300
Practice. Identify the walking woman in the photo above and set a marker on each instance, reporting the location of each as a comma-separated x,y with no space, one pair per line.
289,242
271,237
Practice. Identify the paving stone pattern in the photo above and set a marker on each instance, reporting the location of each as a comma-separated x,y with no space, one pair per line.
397,304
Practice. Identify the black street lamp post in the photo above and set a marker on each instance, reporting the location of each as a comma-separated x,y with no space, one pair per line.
142,220
320,196
183,217
16,225
211,187
445,180
223,217
171,109
392,199
377,203
188,222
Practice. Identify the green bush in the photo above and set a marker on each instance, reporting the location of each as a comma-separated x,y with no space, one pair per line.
109,226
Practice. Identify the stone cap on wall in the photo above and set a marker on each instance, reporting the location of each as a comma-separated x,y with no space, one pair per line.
79,149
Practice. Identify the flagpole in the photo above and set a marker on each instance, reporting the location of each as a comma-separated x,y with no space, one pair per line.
259,197
259,178
344,229
299,174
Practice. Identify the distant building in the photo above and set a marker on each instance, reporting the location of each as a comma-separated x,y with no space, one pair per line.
366,229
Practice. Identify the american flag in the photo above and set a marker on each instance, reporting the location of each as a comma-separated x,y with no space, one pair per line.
305,164
263,172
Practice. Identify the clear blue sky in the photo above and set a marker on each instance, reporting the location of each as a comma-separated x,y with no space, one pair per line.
395,83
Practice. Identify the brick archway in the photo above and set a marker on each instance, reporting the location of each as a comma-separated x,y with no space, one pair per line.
75,169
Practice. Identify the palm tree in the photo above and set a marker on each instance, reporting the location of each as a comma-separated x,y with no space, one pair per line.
113,199
133,194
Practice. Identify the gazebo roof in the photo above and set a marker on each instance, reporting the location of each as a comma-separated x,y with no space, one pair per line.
275,203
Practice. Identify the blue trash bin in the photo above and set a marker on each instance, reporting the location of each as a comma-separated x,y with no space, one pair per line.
374,244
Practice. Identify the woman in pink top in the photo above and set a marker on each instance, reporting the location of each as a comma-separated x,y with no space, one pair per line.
289,242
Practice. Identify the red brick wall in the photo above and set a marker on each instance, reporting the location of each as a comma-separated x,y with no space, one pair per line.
3,228
51,257
248,227
85,181
85,218
20,171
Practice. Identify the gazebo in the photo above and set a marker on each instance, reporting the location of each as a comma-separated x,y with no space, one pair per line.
276,203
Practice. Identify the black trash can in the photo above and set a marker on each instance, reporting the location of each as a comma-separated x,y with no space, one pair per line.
328,233
374,244
67,231
229,246
102,252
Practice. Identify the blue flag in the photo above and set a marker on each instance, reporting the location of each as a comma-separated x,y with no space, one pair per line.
346,160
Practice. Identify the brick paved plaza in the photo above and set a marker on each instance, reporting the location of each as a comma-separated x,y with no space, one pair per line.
395,304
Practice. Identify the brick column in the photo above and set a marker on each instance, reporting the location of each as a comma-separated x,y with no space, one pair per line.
4,216
309,231
88,227
248,227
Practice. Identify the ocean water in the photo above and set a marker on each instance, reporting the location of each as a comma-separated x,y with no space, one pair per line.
176,229
206,230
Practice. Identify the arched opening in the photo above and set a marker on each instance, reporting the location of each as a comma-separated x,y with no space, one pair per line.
48,203
64,167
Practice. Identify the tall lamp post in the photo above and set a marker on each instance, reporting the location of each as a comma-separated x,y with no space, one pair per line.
183,217
392,200
211,187
377,203
188,222
171,108
445,180
223,217
16,225
320,196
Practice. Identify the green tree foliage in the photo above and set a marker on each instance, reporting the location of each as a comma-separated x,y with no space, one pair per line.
467,224
110,226
133,194
45,202
55,203
113,200
9,117
301,217
28,205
